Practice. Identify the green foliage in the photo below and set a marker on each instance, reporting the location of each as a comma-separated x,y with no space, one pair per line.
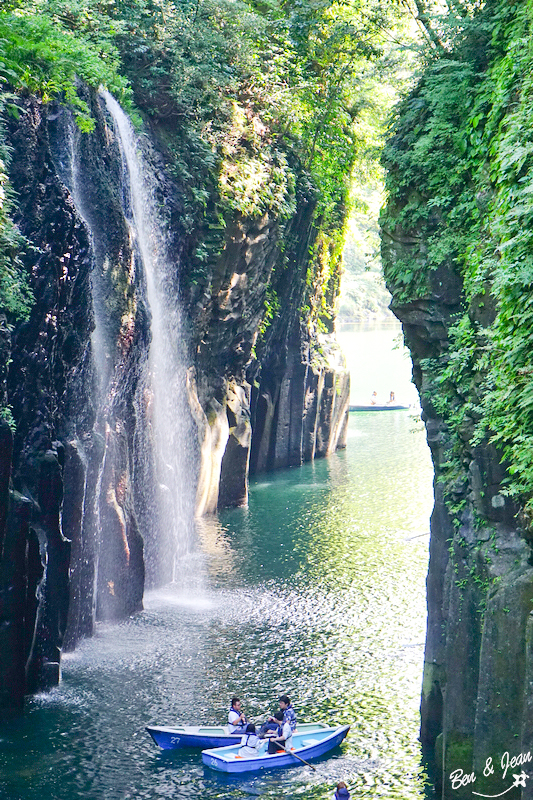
40,55
250,98
363,292
15,294
323,279
429,190
43,57
460,158
272,307
254,179
248,95
6,414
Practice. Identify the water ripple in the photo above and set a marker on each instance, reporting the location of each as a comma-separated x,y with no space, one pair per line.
313,590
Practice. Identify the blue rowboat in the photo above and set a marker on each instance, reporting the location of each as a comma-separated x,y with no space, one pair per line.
209,735
306,745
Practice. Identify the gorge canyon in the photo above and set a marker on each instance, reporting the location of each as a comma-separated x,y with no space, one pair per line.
138,402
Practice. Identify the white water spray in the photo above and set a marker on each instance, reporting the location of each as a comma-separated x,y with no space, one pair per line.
163,398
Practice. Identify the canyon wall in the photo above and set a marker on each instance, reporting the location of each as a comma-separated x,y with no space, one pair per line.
476,686
456,251
81,499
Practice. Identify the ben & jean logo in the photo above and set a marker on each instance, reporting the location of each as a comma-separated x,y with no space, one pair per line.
460,779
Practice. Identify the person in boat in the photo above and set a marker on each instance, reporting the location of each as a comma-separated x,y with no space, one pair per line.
289,715
268,728
251,743
282,740
237,721
392,399
341,793
374,399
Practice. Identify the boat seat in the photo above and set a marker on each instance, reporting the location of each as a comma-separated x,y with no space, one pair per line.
310,742
211,731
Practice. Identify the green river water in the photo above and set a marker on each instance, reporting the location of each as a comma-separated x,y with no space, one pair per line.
317,590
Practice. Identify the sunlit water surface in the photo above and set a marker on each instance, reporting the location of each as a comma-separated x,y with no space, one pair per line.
317,590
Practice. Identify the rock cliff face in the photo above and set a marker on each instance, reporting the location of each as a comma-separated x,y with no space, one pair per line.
476,695
457,258
284,406
79,498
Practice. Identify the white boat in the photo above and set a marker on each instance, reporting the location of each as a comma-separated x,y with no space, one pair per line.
210,735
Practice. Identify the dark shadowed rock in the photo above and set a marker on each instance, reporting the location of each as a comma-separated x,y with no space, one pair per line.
81,526
475,695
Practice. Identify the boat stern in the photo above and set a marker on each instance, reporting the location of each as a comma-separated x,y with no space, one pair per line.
166,738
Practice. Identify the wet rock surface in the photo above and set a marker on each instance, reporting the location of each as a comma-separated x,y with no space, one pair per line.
79,499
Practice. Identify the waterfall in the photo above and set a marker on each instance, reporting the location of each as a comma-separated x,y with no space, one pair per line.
85,548
164,440
131,438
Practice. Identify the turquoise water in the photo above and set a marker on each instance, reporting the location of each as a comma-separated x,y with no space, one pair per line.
317,590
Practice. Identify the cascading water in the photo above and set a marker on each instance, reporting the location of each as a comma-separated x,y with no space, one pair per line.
163,445
85,549
132,517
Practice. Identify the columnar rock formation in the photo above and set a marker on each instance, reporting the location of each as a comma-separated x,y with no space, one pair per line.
79,501
476,694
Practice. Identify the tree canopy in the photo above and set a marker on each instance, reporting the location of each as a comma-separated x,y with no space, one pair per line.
246,95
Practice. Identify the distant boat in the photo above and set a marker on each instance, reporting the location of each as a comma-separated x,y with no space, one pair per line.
307,745
379,407
211,735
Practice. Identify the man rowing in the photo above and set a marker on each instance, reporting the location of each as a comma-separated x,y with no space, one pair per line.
282,738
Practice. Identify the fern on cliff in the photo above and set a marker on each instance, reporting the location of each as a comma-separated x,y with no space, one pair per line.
45,58
460,160
15,294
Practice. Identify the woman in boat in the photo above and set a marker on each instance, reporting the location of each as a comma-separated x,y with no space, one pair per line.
251,743
237,722
341,793
283,739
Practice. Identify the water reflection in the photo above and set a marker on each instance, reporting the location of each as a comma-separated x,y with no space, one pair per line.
313,590
336,616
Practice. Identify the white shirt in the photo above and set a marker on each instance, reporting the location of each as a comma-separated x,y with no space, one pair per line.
252,747
286,733
234,721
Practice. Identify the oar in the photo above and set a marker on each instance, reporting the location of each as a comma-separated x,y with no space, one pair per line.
301,759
